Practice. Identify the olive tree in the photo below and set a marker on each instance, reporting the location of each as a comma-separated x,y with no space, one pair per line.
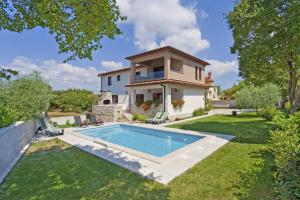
251,97
25,97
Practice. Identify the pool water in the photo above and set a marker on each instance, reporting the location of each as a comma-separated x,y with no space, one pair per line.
151,141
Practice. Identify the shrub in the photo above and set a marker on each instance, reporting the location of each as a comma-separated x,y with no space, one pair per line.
198,112
268,113
134,117
208,105
142,118
137,117
26,97
178,104
7,117
285,145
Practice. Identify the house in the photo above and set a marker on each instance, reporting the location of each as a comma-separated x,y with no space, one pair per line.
163,79
212,91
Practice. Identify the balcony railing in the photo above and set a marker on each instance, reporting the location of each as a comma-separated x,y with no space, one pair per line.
150,76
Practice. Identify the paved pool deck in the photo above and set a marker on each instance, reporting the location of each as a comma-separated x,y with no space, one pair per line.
162,170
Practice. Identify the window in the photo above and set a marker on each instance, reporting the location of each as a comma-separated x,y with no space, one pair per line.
115,99
176,65
118,77
137,73
196,73
157,97
109,81
139,98
200,73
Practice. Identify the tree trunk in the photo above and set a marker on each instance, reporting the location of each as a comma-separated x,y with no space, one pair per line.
294,91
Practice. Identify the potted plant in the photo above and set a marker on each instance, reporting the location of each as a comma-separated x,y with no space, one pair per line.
147,105
178,104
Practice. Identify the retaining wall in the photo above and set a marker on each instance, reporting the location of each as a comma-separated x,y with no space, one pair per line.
14,140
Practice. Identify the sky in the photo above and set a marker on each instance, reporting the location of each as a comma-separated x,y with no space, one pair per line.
197,27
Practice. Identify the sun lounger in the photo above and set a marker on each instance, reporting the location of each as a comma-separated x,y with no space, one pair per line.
162,119
47,128
157,116
96,121
79,122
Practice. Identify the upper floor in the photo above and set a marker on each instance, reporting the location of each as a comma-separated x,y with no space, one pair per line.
167,63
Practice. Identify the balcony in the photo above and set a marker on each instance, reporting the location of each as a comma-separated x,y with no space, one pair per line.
150,76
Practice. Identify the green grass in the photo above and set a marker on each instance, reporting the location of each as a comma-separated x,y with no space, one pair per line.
66,126
239,170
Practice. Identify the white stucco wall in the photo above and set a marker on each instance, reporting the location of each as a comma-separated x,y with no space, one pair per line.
118,87
65,119
194,98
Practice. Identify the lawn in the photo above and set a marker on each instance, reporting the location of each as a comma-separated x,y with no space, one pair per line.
239,170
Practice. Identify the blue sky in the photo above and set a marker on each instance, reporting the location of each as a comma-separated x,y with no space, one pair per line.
198,27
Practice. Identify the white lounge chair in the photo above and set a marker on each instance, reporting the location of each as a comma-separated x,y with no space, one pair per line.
157,116
162,119
47,128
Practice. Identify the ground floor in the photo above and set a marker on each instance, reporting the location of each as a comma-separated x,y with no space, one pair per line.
162,97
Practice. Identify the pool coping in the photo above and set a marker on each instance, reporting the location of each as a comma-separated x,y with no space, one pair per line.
150,157
161,169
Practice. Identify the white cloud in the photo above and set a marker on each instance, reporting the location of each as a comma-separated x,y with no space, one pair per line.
158,23
202,14
219,68
112,65
59,75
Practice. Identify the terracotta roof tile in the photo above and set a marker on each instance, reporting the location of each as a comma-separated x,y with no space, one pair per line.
171,49
162,81
118,70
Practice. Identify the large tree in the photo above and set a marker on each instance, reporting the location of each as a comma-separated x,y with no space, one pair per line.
77,25
266,37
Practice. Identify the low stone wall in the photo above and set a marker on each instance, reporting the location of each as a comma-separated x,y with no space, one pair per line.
14,140
64,120
108,113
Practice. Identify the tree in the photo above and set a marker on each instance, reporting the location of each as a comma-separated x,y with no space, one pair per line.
230,92
78,26
23,98
267,41
7,73
247,98
251,97
73,100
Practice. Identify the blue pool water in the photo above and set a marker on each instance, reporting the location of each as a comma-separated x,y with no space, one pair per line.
155,142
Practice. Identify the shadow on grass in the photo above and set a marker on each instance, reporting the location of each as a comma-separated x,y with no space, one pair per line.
58,170
253,179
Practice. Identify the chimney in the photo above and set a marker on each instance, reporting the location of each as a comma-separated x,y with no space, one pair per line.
209,75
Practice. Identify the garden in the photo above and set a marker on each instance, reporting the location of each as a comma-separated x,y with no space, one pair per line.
242,169
261,162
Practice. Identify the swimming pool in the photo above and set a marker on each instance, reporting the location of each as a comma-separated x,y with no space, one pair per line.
150,141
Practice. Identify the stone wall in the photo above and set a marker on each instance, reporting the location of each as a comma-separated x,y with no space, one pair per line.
14,140
108,113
